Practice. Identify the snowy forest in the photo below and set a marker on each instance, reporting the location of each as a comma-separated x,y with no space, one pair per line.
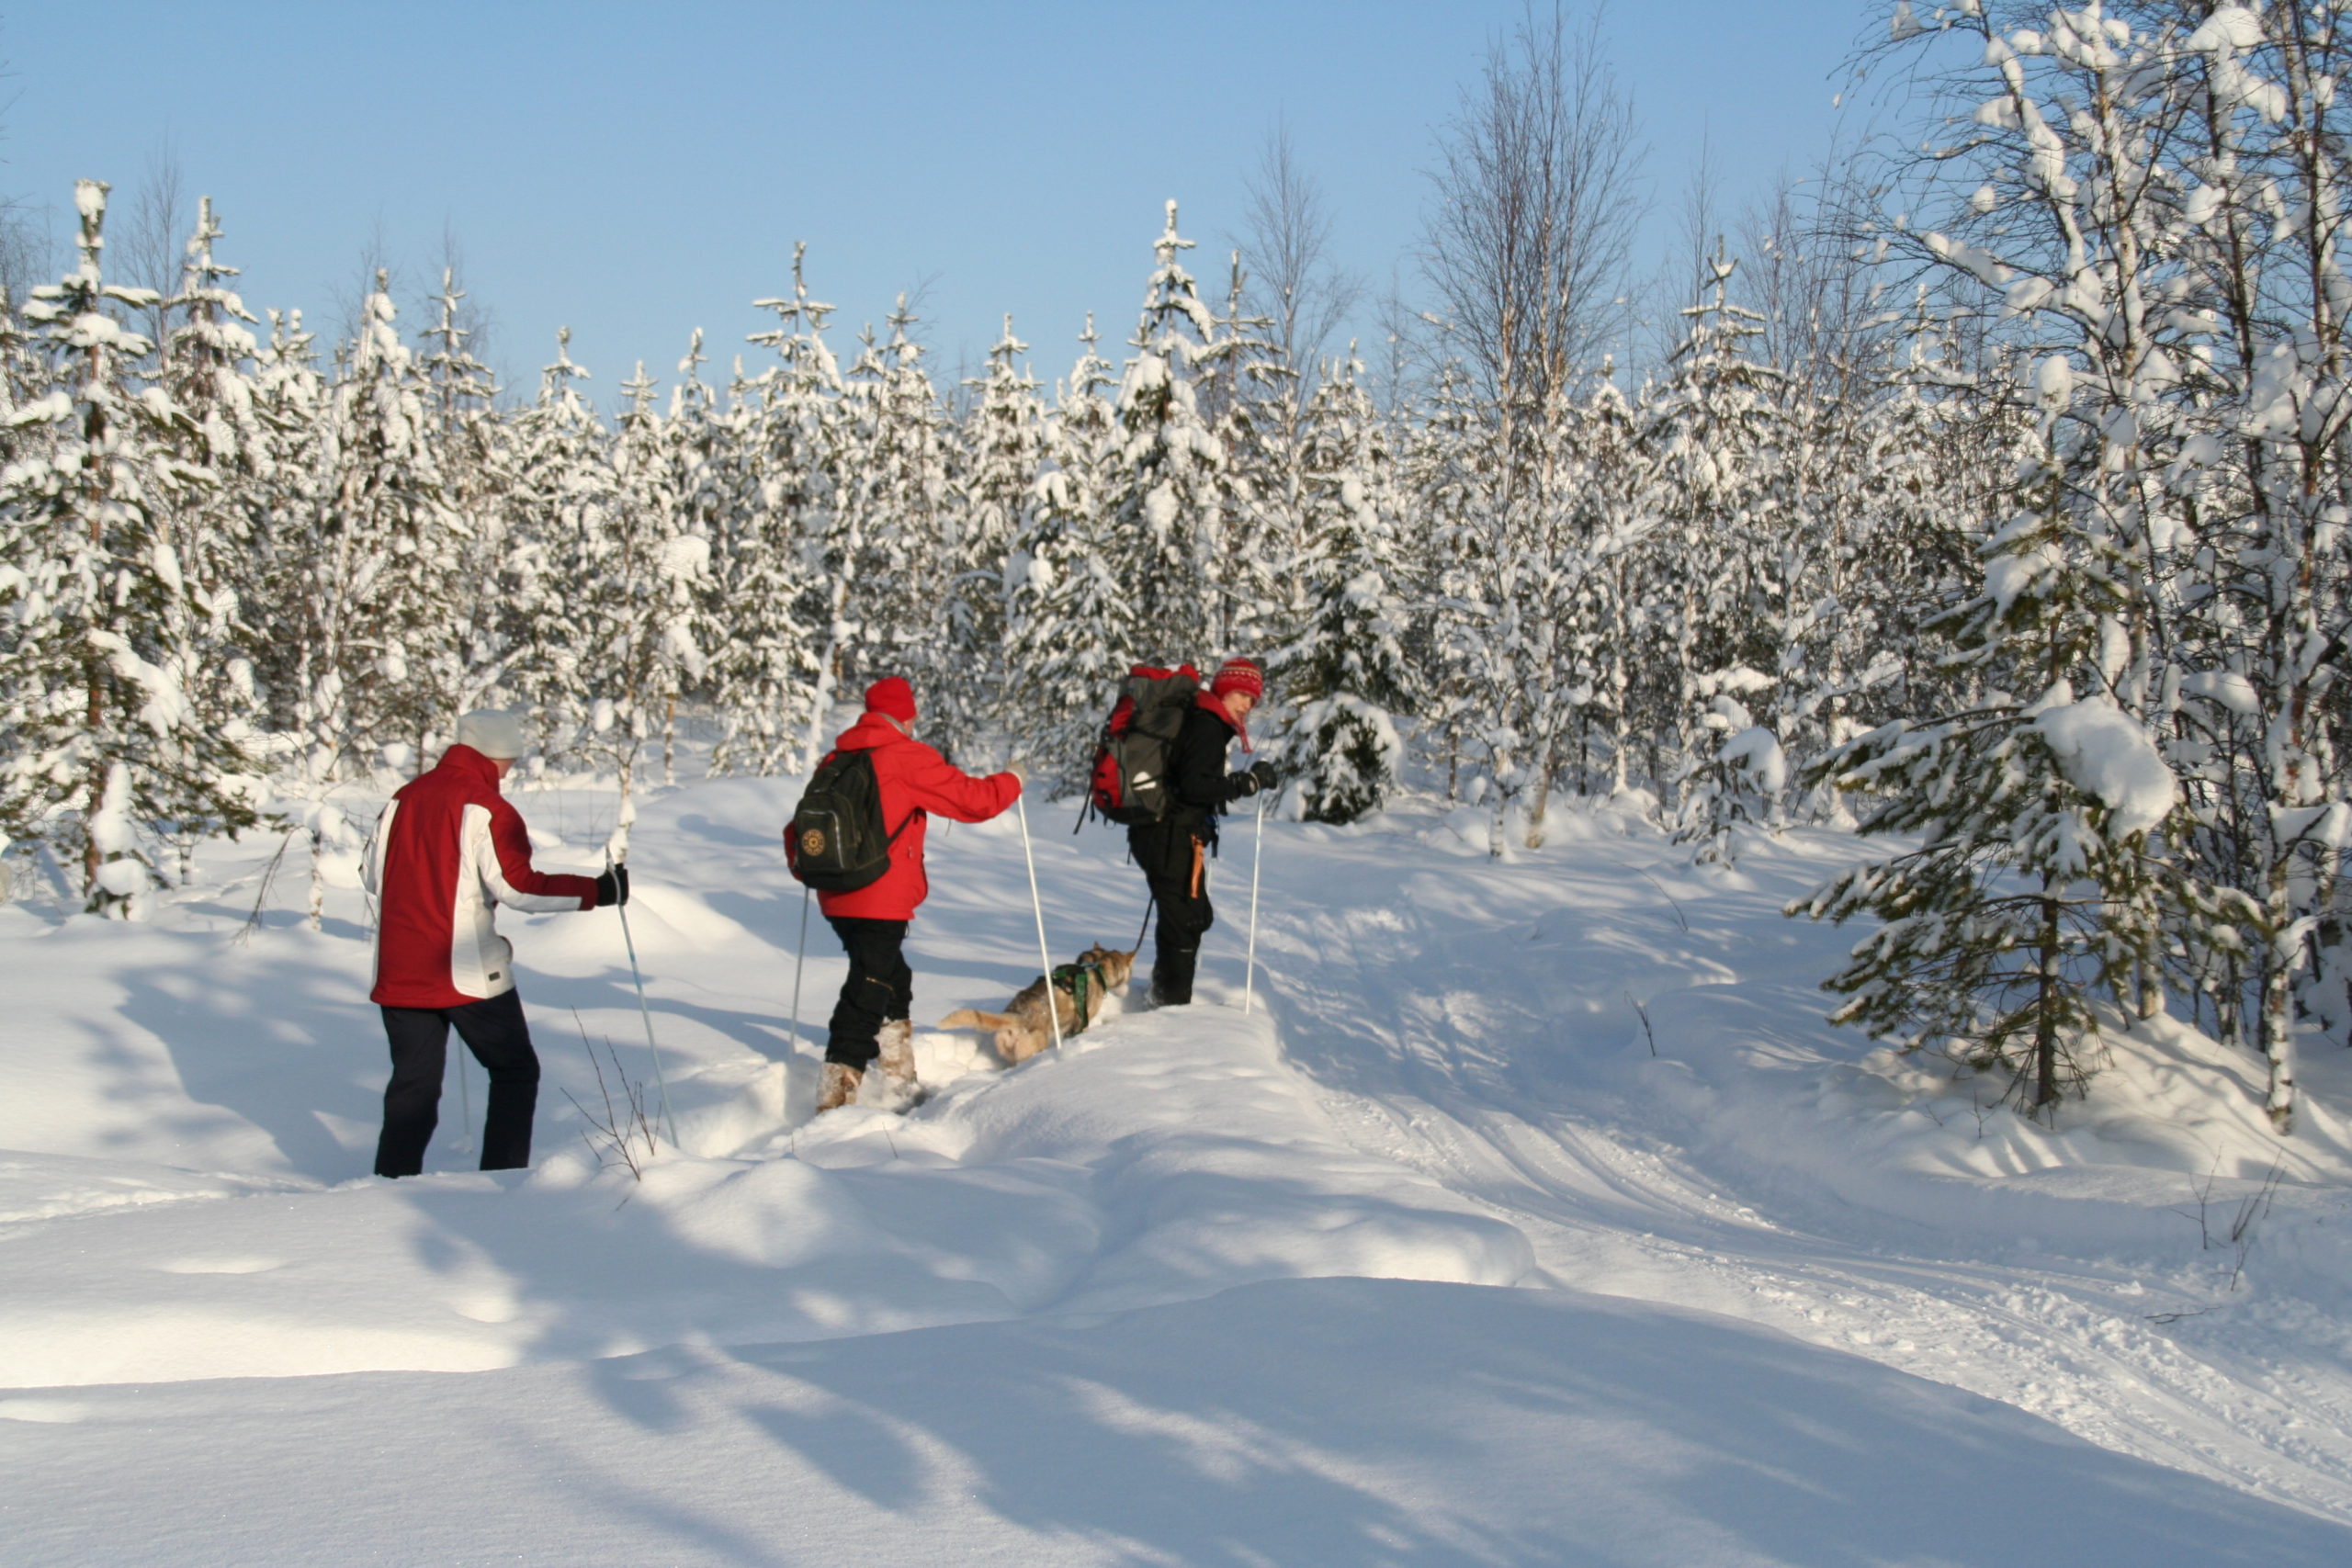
1990,502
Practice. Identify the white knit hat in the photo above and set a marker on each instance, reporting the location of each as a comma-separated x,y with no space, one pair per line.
496,733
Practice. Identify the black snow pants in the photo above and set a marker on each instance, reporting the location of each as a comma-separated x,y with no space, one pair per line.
880,988
1175,862
493,1030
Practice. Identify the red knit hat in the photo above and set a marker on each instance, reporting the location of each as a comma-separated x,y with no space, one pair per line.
892,698
1239,675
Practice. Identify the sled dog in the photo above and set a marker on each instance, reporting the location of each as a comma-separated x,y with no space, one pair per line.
1023,1030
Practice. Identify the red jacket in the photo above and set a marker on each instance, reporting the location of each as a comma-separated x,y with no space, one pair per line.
914,779
447,852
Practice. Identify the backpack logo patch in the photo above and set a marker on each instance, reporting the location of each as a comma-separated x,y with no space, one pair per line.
837,841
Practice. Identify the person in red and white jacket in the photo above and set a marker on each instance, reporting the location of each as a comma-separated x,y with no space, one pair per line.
873,1017
447,850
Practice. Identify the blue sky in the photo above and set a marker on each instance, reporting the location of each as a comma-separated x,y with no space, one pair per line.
637,170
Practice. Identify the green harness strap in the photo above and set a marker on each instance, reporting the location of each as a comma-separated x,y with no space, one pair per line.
1076,978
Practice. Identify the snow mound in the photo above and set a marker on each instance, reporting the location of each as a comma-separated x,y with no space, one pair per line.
1337,1421
1156,1159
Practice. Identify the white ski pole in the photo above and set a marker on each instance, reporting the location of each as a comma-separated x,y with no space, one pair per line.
1052,1008
1257,857
652,1050
465,1100
800,963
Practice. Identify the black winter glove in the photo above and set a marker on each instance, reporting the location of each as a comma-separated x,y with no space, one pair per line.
1240,787
612,887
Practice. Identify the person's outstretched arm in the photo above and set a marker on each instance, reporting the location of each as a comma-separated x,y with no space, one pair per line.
934,784
502,849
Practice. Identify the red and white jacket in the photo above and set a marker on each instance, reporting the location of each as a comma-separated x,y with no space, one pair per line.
447,852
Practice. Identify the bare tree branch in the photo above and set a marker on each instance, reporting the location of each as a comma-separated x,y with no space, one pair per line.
150,244
1538,198
1285,244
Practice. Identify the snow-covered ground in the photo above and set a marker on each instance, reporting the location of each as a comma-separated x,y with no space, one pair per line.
1533,1217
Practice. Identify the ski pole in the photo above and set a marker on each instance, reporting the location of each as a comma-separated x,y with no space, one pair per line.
800,963
1257,856
465,1098
1052,1008
646,1013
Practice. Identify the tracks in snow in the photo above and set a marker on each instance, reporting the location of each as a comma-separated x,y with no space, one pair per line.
1436,1058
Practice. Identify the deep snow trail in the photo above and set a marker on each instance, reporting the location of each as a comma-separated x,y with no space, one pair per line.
1475,1247
1654,1101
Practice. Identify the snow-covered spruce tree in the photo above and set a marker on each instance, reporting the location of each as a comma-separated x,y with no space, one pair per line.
1905,467
864,570
1520,522
695,469
477,480
1613,525
1167,497
1070,630
782,574
1346,673
2036,882
211,528
1247,397
1448,473
388,669
286,502
1865,467
1735,778
904,478
1003,444
1588,524
637,598
102,741
1717,436
561,547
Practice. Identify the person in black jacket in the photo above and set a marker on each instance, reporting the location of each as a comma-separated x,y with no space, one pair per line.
1174,852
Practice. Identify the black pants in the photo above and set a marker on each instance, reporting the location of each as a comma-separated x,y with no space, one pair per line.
879,990
1175,862
494,1032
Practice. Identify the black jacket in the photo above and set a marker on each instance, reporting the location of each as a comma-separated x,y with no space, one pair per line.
1201,787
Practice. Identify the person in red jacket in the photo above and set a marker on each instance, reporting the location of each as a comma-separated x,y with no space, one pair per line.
447,850
873,1017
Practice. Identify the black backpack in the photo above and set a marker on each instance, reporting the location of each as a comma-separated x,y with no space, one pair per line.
837,842
1129,782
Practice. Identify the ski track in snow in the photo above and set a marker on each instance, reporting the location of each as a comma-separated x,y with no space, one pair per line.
1437,1071
1590,1071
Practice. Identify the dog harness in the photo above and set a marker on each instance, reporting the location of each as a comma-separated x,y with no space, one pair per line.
1075,978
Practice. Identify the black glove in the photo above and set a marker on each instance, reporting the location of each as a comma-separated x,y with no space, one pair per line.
612,887
1240,787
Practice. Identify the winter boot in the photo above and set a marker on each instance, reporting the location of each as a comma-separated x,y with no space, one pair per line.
898,1060
1171,977
840,1086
